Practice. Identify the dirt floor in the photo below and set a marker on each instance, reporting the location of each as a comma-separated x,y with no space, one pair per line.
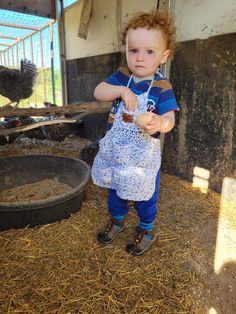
60,268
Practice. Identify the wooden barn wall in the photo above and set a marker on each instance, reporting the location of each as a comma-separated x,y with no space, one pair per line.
44,8
203,77
83,75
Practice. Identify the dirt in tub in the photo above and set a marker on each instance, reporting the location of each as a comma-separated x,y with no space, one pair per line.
35,191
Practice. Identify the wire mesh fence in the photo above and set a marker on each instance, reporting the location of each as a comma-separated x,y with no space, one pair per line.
24,36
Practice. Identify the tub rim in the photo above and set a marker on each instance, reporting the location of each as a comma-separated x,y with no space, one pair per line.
19,206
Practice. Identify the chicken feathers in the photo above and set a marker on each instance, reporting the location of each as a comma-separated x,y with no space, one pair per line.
17,84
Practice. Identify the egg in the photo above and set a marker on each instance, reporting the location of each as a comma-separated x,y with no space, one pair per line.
143,119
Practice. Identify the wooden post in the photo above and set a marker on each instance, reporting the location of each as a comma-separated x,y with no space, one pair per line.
4,58
164,5
8,58
23,43
42,64
118,21
17,54
52,63
61,31
32,60
12,57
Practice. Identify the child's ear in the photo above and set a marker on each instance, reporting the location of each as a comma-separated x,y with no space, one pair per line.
165,56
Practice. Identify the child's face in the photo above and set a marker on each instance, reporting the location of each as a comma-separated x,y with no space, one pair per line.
145,51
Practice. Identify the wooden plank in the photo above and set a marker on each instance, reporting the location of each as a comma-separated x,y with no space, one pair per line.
23,128
19,26
9,111
8,37
44,8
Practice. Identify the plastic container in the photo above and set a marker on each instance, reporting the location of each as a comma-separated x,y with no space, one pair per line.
20,170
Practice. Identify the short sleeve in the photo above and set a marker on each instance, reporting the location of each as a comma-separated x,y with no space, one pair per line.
119,77
167,101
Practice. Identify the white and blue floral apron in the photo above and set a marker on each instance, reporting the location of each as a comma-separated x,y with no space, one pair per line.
128,159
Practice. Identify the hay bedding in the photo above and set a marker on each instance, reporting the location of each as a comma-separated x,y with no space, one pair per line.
60,268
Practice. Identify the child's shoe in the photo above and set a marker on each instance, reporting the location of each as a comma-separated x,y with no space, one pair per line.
113,227
143,240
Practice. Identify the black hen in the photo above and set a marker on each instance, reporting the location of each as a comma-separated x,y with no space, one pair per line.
58,132
88,152
17,84
12,122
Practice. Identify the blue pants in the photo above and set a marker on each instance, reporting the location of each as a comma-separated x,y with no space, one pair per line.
146,210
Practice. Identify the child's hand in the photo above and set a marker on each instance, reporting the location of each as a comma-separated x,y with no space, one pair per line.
130,99
149,122
153,122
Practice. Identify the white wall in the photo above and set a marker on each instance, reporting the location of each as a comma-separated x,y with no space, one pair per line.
102,36
104,28
129,7
193,19
204,18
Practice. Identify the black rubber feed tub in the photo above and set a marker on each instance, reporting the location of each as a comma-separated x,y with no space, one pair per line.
20,170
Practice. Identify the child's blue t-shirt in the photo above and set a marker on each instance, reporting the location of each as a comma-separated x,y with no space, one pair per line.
161,98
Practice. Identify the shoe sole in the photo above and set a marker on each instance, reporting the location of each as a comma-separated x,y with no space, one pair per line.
105,242
155,240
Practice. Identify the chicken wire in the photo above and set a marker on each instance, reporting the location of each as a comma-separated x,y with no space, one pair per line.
24,36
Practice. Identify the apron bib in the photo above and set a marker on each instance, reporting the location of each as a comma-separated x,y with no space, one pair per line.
128,158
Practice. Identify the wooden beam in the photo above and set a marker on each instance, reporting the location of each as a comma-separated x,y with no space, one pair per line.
52,63
62,49
9,37
42,65
6,132
44,8
4,45
23,128
19,26
9,111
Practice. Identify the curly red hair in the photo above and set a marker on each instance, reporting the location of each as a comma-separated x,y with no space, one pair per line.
153,20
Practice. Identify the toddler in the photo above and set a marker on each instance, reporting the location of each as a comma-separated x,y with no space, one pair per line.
129,157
